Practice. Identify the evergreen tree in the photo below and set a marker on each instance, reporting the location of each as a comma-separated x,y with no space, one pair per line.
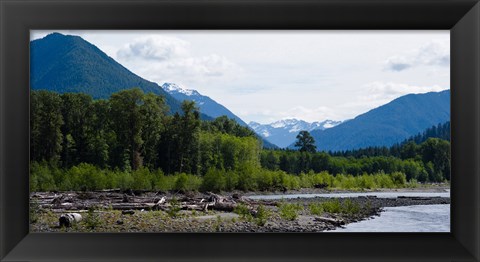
305,142
46,122
127,123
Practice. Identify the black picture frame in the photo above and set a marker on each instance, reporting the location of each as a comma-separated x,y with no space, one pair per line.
461,17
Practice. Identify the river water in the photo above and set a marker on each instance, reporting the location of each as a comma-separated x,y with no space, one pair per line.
419,218
378,194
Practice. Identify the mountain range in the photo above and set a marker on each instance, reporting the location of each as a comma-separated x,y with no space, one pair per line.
284,132
388,124
207,105
69,64
65,63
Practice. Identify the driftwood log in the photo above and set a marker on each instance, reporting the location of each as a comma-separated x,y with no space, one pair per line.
115,200
67,220
336,222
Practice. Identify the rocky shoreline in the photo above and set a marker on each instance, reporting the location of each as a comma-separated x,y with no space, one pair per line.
105,214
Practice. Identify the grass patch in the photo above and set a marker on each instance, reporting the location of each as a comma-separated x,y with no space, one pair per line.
347,207
316,208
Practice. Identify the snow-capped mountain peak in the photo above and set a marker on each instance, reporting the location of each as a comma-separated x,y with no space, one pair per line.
284,132
207,105
172,88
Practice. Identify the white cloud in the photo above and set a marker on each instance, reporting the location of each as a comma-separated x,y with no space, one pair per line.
265,76
211,65
169,59
433,53
310,114
154,47
380,93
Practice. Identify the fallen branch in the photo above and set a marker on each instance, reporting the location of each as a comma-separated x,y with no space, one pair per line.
336,222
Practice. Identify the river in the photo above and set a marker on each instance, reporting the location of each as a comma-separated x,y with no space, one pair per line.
419,218
377,194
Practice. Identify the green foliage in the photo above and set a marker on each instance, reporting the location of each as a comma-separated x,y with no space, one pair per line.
174,208
410,159
243,211
41,178
92,219
86,177
185,182
289,211
214,181
316,208
399,179
34,211
45,126
231,180
332,206
262,215
305,142
413,183
225,125
142,179
349,207
129,141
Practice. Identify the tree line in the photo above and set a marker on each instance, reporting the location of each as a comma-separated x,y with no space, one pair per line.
441,131
426,162
132,130
132,141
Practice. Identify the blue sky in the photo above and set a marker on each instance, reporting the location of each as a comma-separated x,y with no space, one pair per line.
265,76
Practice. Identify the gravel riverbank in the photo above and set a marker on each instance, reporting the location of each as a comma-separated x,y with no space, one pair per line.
48,207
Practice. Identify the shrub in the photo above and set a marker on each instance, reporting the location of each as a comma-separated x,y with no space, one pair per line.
291,182
34,211
231,180
316,208
186,182
262,215
413,183
41,178
399,179
243,211
162,182
366,181
174,208
332,206
142,179
214,180
264,180
87,177
383,181
246,178
123,179
92,220
349,207
289,211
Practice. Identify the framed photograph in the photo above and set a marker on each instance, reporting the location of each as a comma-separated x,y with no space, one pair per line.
239,131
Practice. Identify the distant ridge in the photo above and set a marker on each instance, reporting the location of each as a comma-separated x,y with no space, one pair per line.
207,105
388,124
284,132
